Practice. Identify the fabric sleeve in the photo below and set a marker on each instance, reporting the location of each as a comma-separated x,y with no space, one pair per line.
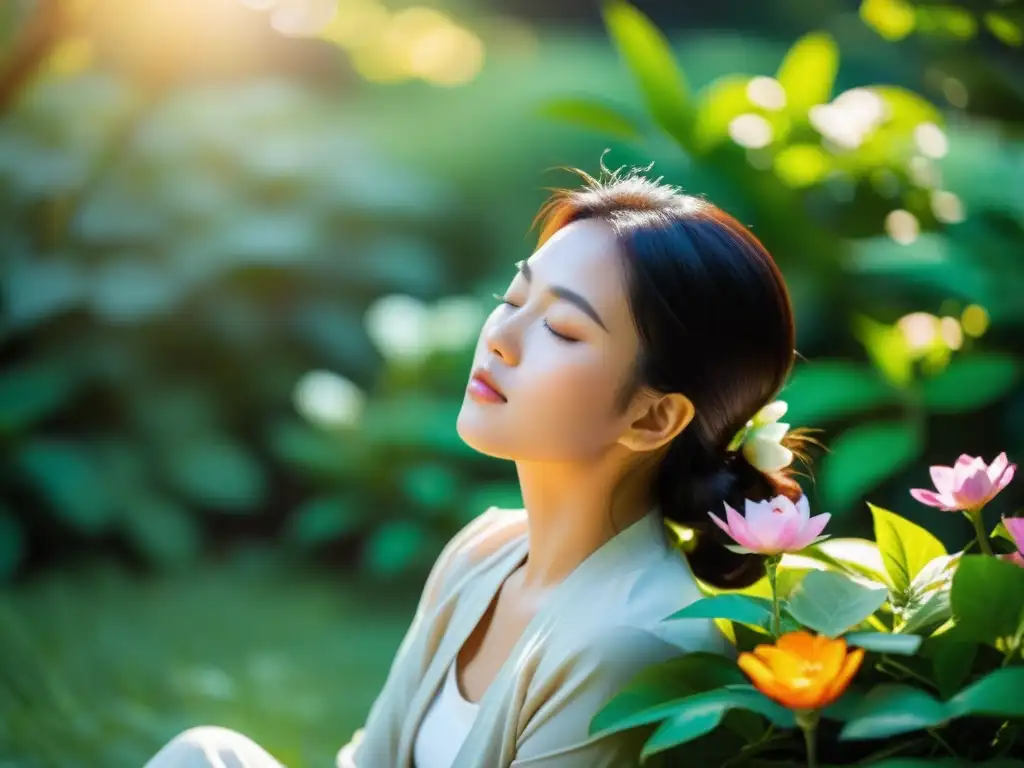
441,576
556,735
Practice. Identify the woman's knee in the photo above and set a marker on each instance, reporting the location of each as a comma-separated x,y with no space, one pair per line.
211,746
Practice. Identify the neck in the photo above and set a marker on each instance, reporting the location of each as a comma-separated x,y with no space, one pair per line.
572,511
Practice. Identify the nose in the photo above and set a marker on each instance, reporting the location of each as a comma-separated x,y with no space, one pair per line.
502,341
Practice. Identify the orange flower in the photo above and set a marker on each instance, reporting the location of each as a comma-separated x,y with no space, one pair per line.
802,671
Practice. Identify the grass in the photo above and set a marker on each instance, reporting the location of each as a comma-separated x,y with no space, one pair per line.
100,669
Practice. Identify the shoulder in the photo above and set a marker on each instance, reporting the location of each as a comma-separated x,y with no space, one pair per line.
481,538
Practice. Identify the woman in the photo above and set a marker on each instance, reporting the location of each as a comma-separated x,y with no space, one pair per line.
627,354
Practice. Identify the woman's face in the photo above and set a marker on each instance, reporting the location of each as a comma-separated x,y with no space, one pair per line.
559,393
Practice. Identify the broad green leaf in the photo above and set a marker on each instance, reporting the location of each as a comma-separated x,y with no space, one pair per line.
322,520
906,547
864,456
742,608
65,475
888,348
883,642
32,392
654,693
801,165
952,657
164,532
808,72
888,710
988,598
649,57
935,610
588,113
971,383
394,548
833,389
701,713
717,105
998,694
857,557
891,19
830,603
215,470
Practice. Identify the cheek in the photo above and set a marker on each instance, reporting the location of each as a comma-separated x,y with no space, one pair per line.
561,409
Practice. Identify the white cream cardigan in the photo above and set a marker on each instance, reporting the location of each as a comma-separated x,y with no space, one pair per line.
601,626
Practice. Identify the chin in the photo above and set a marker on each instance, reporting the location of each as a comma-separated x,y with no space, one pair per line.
482,431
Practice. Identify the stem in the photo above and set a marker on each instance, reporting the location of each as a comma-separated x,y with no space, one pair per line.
888,662
771,567
808,722
935,735
974,515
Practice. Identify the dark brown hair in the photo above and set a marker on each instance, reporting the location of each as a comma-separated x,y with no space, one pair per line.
715,323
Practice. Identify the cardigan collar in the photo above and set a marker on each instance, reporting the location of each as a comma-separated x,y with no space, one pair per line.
637,540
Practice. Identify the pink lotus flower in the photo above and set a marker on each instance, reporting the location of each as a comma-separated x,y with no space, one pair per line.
1015,525
969,485
773,527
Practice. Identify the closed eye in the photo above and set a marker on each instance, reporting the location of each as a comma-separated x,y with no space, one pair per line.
556,334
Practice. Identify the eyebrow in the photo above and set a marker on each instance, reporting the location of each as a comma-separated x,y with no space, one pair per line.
565,293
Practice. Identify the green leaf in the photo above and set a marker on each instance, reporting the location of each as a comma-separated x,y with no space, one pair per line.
952,657
887,346
884,642
701,713
970,383
215,470
321,520
162,531
742,608
649,57
395,548
995,695
906,547
66,475
32,392
988,598
888,710
830,603
834,389
1000,532
801,165
588,113
808,72
654,693
717,105
864,456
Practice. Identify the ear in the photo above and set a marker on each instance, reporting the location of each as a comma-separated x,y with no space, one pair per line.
661,417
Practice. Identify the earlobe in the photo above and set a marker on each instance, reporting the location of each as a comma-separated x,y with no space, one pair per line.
658,425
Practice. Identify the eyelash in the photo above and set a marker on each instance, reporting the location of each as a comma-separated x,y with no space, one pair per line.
553,332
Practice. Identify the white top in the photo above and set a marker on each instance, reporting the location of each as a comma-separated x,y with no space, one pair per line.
445,725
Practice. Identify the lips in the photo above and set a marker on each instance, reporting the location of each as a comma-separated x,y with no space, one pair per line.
483,382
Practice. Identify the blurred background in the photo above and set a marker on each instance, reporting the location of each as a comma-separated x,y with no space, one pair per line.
246,247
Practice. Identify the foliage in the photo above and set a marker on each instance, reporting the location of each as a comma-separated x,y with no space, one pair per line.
889,208
945,643
167,286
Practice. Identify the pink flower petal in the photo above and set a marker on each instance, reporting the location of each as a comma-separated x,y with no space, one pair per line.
739,529
932,499
974,491
812,529
1015,526
996,468
1004,481
965,467
784,538
803,506
760,514
719,522
943,478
